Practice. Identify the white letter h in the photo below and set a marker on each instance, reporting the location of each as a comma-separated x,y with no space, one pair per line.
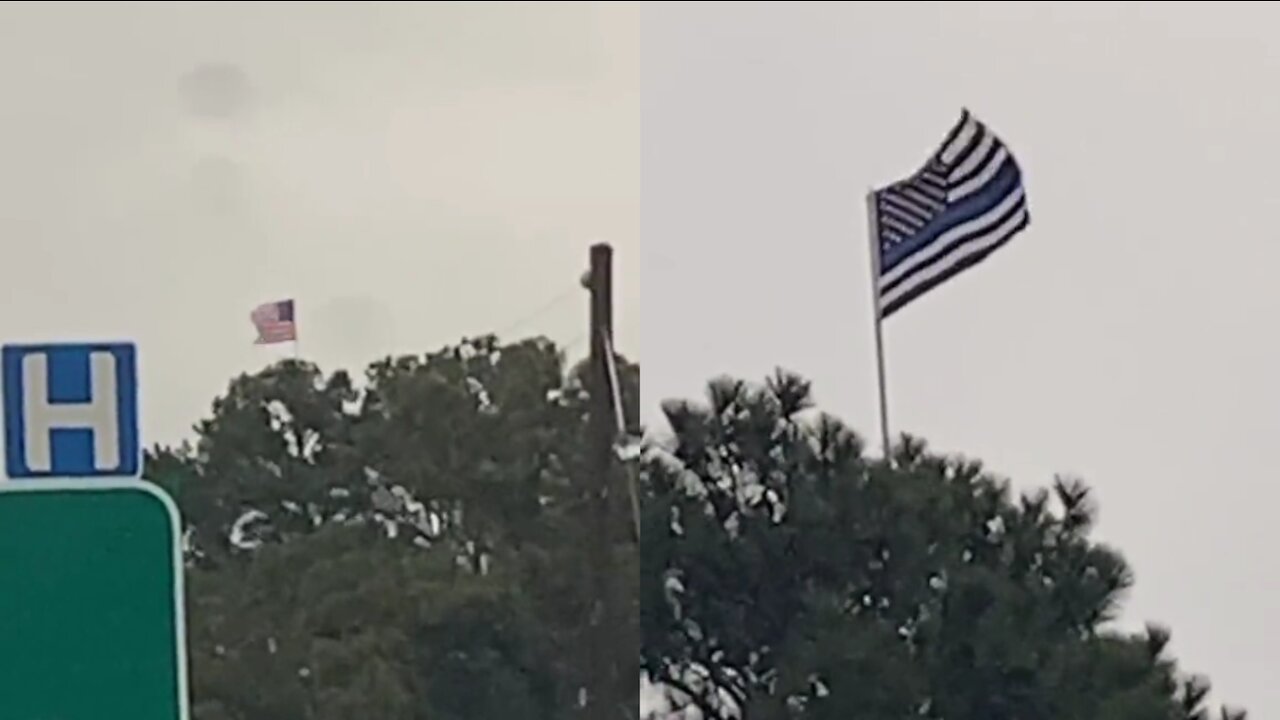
98,415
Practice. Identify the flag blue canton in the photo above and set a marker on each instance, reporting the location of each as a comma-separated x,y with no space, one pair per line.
967,201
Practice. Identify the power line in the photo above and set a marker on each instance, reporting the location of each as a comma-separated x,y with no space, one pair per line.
542,310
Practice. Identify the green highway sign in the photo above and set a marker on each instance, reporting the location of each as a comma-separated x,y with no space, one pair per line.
91,603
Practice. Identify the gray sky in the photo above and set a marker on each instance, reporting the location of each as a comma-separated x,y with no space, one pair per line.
411,173
1123,337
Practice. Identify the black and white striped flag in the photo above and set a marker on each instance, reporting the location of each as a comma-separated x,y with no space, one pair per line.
966,202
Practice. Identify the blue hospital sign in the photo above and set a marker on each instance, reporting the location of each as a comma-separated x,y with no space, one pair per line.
71,410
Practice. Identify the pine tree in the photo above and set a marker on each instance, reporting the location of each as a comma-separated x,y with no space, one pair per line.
784,574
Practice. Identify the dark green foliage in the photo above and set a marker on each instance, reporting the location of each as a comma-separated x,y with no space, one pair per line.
409,547
784,575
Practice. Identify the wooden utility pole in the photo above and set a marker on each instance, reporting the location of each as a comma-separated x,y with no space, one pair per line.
601,685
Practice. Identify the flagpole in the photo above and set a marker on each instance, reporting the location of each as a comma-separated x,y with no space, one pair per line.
873,244
615,396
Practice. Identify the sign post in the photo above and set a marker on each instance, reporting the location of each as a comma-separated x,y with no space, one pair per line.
91,597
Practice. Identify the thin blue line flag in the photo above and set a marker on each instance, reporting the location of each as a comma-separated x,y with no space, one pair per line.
966,202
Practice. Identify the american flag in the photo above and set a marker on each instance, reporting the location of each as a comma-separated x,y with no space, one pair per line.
274,322
967,201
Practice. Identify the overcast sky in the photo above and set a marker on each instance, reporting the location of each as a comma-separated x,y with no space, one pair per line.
1126,336
415,173
410,173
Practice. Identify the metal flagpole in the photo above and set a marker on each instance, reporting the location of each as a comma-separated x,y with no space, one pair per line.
873,241
615,395
297,352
